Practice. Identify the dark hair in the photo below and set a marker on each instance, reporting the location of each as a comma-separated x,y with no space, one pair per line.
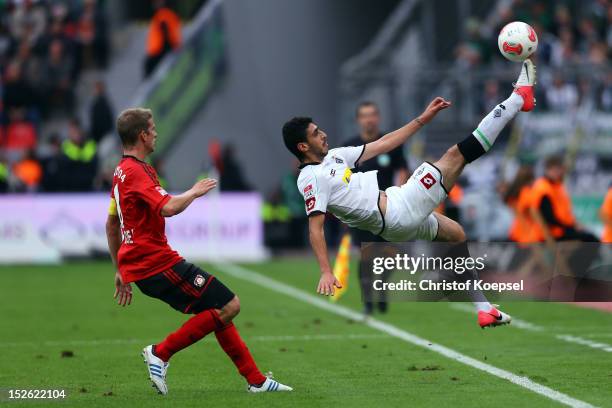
554,161
524,176
365,104
131,122
294,132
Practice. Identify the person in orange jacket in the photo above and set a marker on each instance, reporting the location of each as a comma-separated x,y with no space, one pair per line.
164,35
606,217
28,171
518,198
552,207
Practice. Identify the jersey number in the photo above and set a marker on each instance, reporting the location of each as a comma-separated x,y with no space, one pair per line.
126,235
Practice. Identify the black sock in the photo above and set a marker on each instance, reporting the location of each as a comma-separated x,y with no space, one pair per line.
470,148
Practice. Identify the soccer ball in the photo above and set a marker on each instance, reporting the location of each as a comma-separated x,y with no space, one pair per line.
517,41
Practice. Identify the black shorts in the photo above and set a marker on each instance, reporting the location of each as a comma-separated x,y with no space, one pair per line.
186,288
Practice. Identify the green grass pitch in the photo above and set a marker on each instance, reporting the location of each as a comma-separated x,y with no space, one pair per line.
47,311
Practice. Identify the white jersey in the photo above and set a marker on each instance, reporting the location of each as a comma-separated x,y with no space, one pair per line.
332,186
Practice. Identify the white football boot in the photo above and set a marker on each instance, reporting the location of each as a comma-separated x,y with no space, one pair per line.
157,370
270,385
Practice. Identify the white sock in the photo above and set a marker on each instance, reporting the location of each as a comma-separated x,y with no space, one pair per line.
484,306
491,126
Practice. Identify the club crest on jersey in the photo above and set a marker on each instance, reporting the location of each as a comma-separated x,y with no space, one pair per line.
161,191
428,180
310,203
347,176
199,281
338,160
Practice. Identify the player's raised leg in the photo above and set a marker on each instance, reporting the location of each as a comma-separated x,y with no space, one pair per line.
451,164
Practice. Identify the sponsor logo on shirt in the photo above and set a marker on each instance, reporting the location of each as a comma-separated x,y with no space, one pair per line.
428,180
161,191
310,203
199,281
308,191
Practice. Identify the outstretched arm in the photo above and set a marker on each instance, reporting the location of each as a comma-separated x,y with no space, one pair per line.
328,282
178,203
398,137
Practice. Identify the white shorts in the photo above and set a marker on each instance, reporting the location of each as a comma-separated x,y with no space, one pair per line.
409,207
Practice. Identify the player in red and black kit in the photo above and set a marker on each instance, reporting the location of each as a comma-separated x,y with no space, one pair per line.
139,249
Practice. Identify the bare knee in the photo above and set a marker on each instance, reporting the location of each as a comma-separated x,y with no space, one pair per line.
449,230
459,233
230,310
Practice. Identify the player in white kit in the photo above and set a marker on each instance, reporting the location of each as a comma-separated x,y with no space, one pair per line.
328,183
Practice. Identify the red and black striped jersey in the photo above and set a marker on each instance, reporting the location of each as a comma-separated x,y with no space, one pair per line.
139,198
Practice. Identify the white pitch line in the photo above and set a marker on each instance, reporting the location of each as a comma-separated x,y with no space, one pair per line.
109,342
585,342
322,303
522,324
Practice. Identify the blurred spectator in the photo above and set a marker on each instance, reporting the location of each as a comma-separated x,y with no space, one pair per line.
158,165
43,47
30,65
27,21
100,113
586,94
28,172
53,166
92,41
292,200
5,41
59,86
17,93
552,206
561,96
563,52
164,35
20,135
598,54
4,176
518,198
475,49
80,161
606,217
231,178
609,26
606,94
562,20
587,35
490,97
